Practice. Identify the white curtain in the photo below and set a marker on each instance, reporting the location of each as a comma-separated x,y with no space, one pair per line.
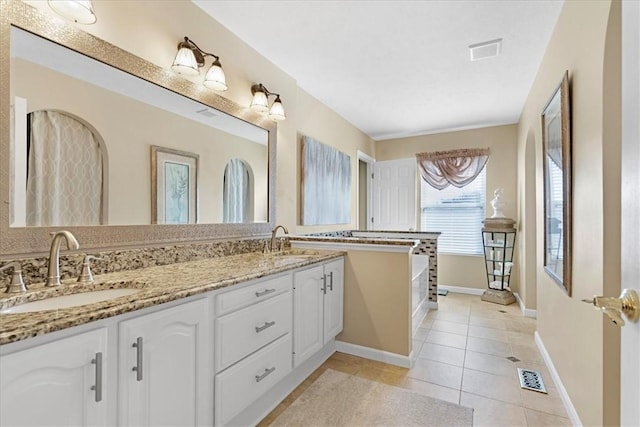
64,183
237,203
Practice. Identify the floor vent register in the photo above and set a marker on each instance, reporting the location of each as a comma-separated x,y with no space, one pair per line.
531,380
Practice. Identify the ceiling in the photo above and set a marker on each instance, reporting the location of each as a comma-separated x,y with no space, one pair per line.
401,68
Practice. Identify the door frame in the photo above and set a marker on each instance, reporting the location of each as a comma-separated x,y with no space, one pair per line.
370,161
630,209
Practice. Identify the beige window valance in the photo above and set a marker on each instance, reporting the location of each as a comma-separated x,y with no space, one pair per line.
455,167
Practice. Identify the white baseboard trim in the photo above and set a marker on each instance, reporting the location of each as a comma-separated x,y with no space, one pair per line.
461,290
566,400
374,354
526,312
433,305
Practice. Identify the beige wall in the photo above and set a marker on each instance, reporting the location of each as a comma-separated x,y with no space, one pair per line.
152,29
129,128
341,135
583,345
377,301
455,270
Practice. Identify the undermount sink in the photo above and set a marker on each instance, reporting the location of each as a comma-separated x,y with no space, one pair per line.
291,254
68,301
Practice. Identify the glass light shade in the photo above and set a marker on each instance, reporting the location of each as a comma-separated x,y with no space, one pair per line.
277,110
259,102
79,11
215,78
185,62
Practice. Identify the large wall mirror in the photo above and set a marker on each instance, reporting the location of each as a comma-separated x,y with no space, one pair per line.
79,120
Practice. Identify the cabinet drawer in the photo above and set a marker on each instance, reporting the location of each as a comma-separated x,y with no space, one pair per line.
239,386
244,331
240,298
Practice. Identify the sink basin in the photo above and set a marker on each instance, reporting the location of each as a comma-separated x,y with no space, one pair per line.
68,301
291,254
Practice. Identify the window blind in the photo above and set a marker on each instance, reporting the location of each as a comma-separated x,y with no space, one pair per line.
457,213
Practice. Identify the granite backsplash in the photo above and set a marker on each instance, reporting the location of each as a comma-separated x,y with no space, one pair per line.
34,270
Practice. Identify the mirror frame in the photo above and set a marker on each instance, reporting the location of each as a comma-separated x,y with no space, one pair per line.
560,95
30,241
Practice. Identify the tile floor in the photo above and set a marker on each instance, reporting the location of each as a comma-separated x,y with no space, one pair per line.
462,349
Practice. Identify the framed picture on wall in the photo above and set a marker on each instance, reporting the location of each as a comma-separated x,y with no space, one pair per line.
556,143
326,184
174,186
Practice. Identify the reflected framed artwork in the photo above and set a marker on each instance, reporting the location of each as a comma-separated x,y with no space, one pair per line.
174,186
556,147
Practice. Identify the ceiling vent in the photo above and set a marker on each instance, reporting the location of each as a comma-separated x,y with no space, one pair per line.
485,50
207,112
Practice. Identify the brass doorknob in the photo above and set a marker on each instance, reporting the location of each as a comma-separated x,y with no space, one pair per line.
627,304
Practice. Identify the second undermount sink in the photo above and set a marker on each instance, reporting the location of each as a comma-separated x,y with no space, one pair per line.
68,301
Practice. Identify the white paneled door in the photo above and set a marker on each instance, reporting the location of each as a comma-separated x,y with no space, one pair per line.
56,384
630,334
163,364
394,195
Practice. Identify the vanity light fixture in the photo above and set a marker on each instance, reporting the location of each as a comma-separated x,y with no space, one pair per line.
260,102
78,11
190,58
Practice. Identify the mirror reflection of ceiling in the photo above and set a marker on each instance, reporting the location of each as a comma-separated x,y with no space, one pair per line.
131,114
40,51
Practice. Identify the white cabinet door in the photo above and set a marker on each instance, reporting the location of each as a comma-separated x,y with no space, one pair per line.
55,383
307,313
333,299
163,374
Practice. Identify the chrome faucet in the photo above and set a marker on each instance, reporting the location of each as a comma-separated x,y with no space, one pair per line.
273,235
17,283
53,272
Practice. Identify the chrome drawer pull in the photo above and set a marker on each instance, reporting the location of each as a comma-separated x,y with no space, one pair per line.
331,281
324,284
267,372
265,292
265,326
98,387
138,367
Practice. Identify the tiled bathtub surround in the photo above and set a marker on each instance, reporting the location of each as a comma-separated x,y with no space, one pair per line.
428,246
34,270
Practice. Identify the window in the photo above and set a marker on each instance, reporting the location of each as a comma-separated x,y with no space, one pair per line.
457,213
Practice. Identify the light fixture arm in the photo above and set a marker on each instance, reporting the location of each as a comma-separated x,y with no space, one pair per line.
197,52
261,88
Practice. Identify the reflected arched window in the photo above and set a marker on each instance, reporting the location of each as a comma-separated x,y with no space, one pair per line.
238,192
64,171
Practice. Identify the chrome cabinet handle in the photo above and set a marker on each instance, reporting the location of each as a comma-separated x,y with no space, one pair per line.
331,281
265,326
324,284
266,373
98,387
265,292
138,367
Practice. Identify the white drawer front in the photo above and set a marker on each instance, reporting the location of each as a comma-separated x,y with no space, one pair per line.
242,332
240,298
239,386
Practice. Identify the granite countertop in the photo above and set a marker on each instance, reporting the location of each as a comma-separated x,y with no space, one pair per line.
360,240
157,285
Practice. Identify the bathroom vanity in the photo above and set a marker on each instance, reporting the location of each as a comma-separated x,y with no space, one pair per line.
216,341
390,284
